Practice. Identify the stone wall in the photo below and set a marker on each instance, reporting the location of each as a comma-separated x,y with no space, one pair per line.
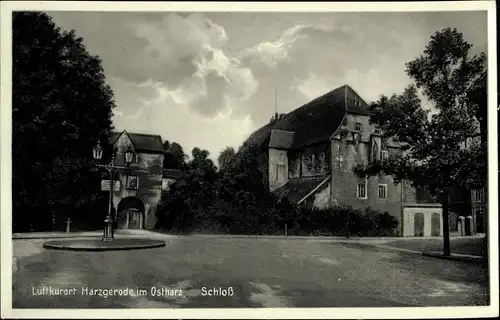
427,212
345,155
322,197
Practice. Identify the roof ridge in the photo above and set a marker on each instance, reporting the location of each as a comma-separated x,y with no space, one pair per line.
283,130
135,133
145,134
321,96
311,177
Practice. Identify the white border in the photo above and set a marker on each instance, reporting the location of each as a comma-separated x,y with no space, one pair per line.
269,313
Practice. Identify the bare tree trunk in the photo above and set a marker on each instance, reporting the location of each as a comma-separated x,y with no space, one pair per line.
446,228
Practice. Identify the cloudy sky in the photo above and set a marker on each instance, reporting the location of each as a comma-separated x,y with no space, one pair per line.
209,79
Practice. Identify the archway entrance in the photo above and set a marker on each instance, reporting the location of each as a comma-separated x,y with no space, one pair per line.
436,225
419,225
130,214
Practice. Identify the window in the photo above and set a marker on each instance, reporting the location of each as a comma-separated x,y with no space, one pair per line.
339,159
377,131
356,101
132,182
358,127
280,172
382,191
361,190
477,195
385,154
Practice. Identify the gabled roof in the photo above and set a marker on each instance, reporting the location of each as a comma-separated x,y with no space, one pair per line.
296,189
142,142
313,122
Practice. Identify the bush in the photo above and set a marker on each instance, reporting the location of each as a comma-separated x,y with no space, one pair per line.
245,216
343,221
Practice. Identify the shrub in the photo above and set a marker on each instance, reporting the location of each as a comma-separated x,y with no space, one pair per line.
341,221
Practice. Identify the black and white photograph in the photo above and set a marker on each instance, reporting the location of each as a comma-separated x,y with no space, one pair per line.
249,160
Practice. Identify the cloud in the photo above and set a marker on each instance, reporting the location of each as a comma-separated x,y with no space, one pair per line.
204,77
313,86
208,79
273,52
176,123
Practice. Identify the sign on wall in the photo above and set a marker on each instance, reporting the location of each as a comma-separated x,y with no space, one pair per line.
105,185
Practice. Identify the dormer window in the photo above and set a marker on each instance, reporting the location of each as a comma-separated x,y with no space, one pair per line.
356,101
358,127
377,131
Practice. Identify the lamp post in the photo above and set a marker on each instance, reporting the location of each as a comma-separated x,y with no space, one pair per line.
108,233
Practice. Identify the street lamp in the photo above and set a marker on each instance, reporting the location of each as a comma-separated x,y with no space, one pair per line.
108,234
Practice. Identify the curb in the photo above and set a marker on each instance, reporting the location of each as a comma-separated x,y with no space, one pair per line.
381,246
456,257
78,235
63,235
397,249
432,254
54,237
334,238
96,245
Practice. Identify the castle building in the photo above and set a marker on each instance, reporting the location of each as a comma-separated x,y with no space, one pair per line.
308,156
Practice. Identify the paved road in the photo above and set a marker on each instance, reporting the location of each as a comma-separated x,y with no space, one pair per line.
261,273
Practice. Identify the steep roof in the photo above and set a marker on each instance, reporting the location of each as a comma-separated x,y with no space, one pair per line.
313,122
142,142
296,189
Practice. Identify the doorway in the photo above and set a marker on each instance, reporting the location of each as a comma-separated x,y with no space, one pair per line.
131,214
134,218
436,225
419,224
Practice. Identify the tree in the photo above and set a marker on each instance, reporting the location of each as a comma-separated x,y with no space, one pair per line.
225,157
477,98
61,106
433,157
174,156
243,173
192,193
241,187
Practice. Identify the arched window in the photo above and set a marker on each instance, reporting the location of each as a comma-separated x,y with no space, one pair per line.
436,225
418,224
